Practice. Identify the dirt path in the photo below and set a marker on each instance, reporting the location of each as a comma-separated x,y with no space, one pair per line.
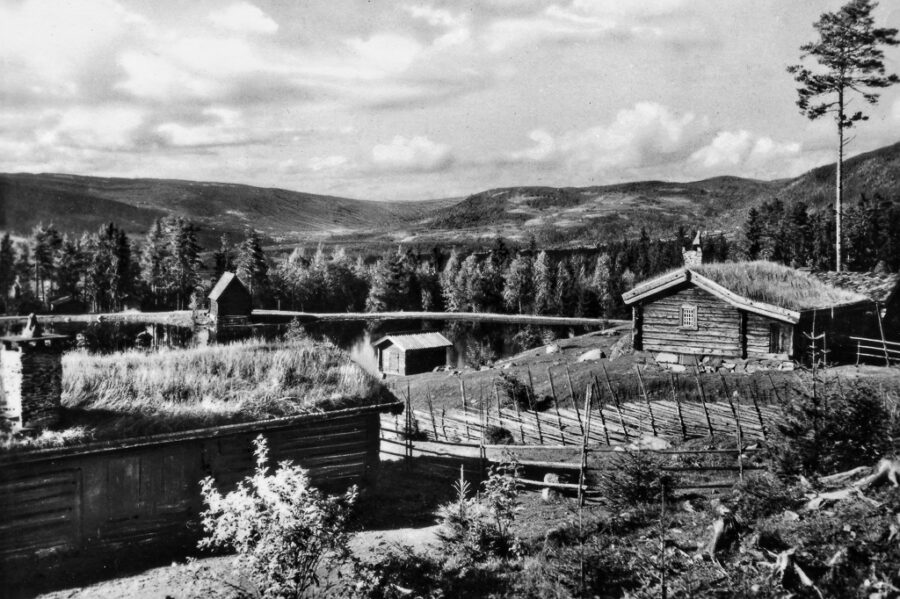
205,578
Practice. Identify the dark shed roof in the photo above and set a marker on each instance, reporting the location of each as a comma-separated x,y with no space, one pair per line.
875,286
415,341
225,281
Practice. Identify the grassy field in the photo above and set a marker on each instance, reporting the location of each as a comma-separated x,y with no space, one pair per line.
138,393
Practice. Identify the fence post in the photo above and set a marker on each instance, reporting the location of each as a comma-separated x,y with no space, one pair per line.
519,419
462,391
584,444
409,428
646,398
677,405
600,411
734,412
615,401
574,402
709,425
559,423
887,361
431,413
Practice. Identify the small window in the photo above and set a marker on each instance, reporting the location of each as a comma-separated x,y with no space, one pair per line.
689,317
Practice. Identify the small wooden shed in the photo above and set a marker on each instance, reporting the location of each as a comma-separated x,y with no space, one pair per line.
412,353
230,301
747,310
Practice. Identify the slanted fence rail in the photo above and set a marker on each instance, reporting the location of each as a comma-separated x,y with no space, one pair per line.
878,349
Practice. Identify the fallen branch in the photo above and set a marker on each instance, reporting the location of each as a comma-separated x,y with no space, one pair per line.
887,470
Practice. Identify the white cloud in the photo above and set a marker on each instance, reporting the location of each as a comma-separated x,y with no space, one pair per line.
384,54
103,128
745,153
244,17
411,154
647,134
321,163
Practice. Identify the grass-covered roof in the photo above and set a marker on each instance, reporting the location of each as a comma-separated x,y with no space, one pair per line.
776,284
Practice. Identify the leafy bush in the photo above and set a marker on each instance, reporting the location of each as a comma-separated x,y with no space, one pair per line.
474,530
839,428
282,529
761,496
497,435
513,390
636,480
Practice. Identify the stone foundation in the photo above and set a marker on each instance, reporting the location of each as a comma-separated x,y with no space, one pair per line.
31,382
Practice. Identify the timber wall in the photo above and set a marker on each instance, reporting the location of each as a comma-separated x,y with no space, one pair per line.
718,325
145,495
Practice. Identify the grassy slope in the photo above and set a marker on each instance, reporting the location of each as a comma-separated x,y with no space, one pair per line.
572,215
136,393
75,203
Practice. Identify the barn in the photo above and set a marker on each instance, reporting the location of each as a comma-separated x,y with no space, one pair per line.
412,353
230,302
879,286
747,310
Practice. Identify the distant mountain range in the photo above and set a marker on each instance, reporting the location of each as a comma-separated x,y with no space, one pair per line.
559,216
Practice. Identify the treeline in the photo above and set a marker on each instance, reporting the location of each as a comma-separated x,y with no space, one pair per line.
168,269
800,236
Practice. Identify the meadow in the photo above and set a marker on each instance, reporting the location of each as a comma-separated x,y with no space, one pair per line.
140,393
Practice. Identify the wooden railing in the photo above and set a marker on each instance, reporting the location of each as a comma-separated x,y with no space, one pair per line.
880,349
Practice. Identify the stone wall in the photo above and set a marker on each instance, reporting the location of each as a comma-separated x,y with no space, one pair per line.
31,376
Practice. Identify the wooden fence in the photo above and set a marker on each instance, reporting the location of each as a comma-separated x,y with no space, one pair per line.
622,409
143,494
877,349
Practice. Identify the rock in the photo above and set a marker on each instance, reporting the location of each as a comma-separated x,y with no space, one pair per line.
590,355
552,348
677,367
558,536
786,366
622,347
790,516
666,358
717,363
506,366
549,495
649,442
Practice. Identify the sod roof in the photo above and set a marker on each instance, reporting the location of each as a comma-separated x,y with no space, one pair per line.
776,284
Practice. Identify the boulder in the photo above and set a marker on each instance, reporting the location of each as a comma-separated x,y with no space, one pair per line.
649,442
591,355
666,358
677,367
548,494
552,348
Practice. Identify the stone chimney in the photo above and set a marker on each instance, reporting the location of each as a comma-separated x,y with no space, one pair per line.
31,377
693,256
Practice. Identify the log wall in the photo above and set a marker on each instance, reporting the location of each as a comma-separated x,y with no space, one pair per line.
718,325
98,499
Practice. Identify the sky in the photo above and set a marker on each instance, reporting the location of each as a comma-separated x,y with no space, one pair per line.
396,100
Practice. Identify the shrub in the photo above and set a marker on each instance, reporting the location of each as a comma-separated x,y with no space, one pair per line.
837,429
282,529
762,496
497,435
474,530
636,480
514,391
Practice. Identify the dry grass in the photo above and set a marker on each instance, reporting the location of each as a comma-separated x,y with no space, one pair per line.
776,284
137,393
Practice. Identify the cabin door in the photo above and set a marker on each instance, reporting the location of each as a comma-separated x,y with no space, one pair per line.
780,337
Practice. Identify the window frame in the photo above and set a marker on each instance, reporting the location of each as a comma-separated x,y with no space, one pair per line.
692,322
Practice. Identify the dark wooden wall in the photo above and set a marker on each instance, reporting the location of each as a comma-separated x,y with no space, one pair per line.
100,499
718,324
425,360
234,301
838,325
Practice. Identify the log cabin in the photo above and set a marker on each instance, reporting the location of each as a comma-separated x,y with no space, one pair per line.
747,310
230,302
412,353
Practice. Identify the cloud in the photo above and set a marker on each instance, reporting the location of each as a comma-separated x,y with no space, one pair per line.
244,17
745,153
645,135
411,154
321,163
97,128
